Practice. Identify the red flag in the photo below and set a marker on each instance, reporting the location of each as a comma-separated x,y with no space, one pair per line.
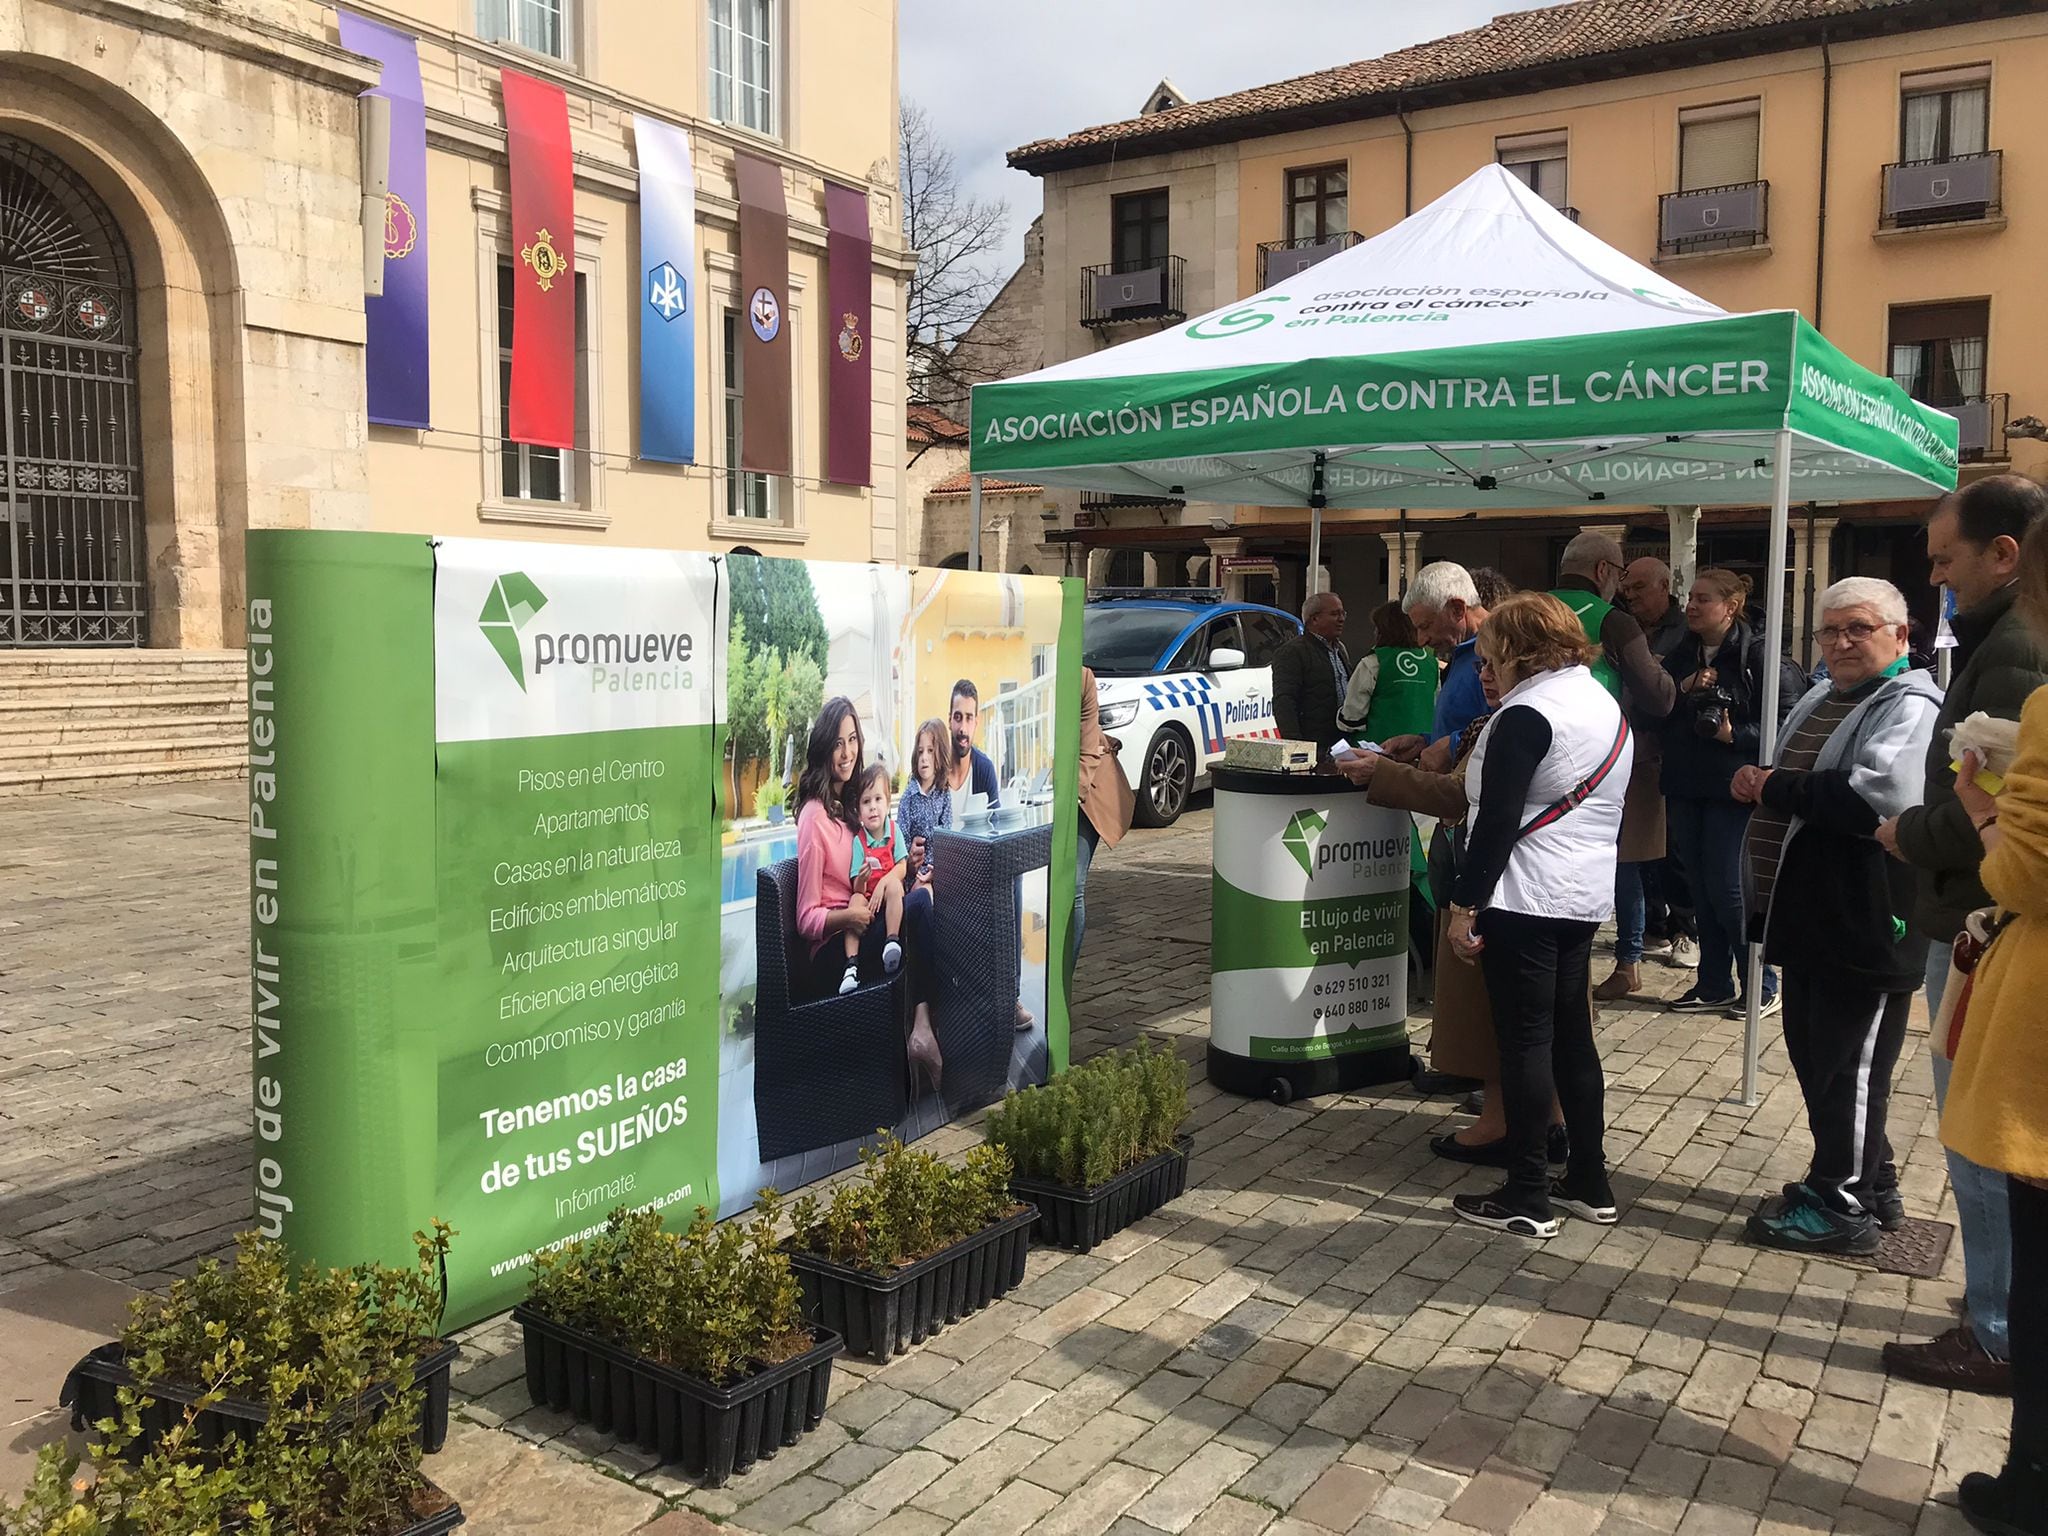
543,403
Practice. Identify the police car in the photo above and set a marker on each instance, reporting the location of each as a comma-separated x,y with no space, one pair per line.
1178,671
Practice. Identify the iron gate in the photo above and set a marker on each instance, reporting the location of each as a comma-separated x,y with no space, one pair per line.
73,567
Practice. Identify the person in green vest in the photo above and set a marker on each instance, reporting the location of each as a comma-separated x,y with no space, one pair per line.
1588,577
1393,688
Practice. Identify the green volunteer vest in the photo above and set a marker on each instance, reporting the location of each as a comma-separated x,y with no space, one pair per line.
1404,700
1592,610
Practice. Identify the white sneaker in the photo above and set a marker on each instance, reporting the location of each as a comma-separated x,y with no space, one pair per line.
1685,953
850,980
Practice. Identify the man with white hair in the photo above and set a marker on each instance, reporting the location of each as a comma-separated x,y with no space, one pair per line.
1589,576
1831,907
1443,604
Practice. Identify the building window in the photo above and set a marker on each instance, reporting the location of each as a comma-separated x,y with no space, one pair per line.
1538,161
748,493
1717,146
1937,351
539,26
743,63
1138,221
529,472
1318,203
1945,115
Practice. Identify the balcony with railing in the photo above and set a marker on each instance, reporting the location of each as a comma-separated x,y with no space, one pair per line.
1957,189
1103,502
1280,260
1980,428
1118,292
1730,218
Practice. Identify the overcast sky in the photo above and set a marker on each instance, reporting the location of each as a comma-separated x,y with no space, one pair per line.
995,74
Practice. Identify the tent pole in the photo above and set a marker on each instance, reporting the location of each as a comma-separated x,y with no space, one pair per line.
1774,647
974,526
1316,502
1406,559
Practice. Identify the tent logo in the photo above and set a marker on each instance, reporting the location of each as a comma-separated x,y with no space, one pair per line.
512,605
1303,828
1238,321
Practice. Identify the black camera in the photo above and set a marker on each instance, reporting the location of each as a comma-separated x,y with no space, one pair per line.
1710,707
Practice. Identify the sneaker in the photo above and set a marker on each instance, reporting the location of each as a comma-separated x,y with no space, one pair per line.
1690,1001
850,980
1955,1362
1806,1225
1492,1212
1685,952
1588,1197
892,957
2014,1503
1656,949
1889,1207
1773,1003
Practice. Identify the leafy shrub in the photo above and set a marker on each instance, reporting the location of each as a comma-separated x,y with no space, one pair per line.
711,1301
368,1321
1094,1120
325,1462
905,1206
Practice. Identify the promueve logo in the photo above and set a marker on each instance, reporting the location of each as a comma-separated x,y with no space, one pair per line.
1303,838
648,662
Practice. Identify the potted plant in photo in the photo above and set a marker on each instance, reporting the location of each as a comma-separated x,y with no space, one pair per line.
1098,1147
692,1345
909,1245
335,1451
384,1321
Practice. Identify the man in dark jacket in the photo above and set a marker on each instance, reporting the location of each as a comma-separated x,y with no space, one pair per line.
1973,540
1830,907
1310,674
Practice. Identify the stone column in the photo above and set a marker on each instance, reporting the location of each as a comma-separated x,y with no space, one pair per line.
1232,583
1403,560
1685,545
1815,556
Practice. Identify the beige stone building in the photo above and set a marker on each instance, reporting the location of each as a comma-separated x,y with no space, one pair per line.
183,322
1873,163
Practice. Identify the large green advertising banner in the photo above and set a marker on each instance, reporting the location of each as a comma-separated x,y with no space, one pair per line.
535,916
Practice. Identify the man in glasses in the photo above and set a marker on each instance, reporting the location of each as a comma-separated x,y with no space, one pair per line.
1973,543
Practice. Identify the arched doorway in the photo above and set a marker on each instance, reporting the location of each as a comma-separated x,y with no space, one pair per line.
73,567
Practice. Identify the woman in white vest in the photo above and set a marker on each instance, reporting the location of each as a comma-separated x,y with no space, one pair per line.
1545,784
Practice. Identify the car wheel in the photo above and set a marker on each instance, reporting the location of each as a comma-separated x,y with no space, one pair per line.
1169,775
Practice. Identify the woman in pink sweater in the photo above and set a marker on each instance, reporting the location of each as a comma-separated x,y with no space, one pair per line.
827,906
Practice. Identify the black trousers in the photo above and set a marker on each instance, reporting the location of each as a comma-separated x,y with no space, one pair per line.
1844,1043
1537,971
2028,1208
1667,900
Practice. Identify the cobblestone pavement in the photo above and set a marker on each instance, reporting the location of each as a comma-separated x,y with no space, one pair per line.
1303,1343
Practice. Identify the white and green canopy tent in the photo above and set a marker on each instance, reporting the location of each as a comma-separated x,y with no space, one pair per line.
1485,353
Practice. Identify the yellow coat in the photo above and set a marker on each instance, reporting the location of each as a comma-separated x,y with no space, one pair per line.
1997,1113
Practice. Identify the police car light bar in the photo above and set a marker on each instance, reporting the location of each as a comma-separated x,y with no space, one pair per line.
1156,594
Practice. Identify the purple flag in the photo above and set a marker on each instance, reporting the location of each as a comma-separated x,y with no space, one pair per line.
849,365
397,321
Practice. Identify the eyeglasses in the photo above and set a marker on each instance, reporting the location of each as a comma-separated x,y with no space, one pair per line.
1485,665
1855,634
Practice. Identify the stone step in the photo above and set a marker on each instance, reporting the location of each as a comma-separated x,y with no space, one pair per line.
112,663
84,689
118,725
53,704
17,757
30,781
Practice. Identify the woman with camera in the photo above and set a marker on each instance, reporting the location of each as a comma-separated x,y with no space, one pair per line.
1715,728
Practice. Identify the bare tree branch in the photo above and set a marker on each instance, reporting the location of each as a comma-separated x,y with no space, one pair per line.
955,238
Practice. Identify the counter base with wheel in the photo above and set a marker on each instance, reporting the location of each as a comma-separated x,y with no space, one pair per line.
1308,967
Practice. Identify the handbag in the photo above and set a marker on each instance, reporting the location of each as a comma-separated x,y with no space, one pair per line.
1980,931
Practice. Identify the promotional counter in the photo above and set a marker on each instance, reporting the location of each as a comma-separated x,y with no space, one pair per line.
1308,987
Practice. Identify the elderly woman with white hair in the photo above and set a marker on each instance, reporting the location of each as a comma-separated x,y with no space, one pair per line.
1830,908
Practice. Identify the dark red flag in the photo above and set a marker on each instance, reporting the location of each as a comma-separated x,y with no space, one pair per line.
764,306
849,283
543,402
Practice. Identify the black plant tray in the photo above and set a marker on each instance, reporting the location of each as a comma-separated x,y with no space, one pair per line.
90,1392
883,1315
711,1432
1081,1218
439,1523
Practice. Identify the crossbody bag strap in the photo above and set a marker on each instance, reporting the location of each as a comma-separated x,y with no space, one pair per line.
1576,795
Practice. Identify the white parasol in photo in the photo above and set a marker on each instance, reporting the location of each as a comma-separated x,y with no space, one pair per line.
1486,353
